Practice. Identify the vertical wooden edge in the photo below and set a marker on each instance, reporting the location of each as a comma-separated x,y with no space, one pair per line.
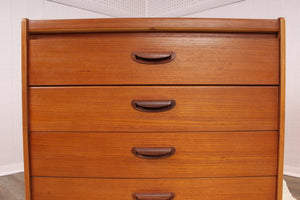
281,109
25,107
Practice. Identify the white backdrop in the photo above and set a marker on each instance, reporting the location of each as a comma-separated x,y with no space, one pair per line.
11,12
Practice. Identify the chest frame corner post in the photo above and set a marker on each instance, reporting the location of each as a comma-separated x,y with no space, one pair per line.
282,71
25,107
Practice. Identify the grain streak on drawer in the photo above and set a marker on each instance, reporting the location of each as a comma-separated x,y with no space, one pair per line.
105,59
207,154
197,109
260,188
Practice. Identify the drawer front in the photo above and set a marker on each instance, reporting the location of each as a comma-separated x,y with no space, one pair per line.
106,59
258,188
110,108
145,155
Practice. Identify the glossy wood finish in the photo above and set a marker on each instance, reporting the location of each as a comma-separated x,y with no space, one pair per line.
105,59
257,188
83,127
281,109
154,25
197,108
25,107
206,154
12,186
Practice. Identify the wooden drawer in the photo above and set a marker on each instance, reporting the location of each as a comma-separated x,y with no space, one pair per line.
258,188
109,108
206,154
201,58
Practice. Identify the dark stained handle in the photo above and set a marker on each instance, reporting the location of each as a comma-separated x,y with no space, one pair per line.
153,105
153,196
153,57
153,152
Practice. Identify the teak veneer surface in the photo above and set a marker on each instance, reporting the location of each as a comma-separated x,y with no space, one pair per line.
204,154
108,108
281,108
257,188
227,77
25,108
154,25
105,59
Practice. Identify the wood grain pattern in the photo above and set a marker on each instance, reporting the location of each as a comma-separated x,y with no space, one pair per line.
105,59
13,186
281,109
205,154
258,188
25,108
82,134
108,108
153,25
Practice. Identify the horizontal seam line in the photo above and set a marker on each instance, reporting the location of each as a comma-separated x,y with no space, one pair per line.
156,178
33,86
152,131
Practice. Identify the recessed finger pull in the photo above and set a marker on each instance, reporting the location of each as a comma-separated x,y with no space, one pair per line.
154,196
153,152
153,57
153,105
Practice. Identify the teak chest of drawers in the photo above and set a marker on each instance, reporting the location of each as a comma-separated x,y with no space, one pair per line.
153,109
